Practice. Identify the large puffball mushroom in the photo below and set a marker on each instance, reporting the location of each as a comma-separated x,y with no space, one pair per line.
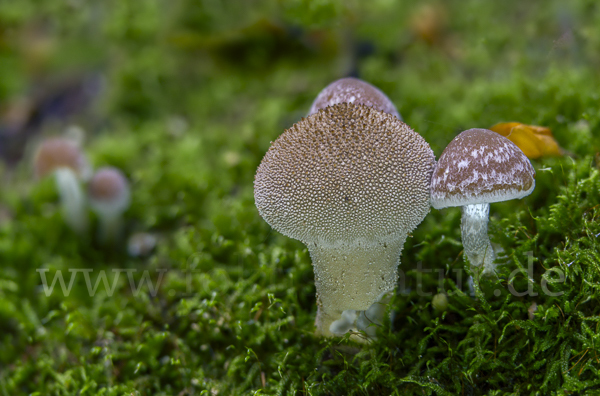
477,168
109,197
350,182
353,90
64,159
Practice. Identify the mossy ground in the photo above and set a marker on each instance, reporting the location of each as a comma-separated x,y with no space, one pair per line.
193,93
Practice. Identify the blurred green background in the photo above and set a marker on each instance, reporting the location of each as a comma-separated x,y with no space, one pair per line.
185,96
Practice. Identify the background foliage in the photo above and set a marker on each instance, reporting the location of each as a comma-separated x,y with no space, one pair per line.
184,96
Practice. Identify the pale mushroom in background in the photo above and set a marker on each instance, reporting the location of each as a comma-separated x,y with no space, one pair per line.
63,158
350,182
477,168
141,244
353,90
109,197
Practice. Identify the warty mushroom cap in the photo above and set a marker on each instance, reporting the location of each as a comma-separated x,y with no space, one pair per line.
347,174
353,90
56,153
480,166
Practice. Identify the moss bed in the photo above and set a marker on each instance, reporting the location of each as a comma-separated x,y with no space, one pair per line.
185,96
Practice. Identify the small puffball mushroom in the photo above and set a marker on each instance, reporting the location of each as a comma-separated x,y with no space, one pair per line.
64,159
350,182
109,197
477,168
353,90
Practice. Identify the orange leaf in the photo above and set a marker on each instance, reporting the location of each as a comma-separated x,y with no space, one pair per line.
535,141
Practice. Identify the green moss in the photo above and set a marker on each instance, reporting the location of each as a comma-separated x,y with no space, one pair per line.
194,93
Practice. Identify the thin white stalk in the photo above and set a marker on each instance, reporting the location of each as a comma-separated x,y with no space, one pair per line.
110,227
476,243
72,199
110,220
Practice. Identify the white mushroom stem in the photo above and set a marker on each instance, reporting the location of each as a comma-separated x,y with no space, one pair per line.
72,199
475,240
350,280
110,219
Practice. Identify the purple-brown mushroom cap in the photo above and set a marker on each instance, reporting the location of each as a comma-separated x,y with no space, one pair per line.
480,166
353,90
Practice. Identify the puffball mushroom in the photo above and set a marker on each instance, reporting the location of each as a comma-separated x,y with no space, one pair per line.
353,90
109,197
350,182
477,168
64,159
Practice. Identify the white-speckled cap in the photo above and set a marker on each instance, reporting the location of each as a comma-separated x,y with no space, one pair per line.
353,90
480,166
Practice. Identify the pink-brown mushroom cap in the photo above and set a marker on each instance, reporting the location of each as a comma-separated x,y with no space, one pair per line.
57,153
109,186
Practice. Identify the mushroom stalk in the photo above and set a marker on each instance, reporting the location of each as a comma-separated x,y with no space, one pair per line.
350,279
110,227
72,199
475,240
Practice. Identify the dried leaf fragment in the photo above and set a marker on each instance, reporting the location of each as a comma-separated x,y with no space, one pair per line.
535,141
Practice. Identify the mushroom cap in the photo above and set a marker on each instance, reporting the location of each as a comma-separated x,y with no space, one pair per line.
109,190
346,174
480,166
56,153
353,90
